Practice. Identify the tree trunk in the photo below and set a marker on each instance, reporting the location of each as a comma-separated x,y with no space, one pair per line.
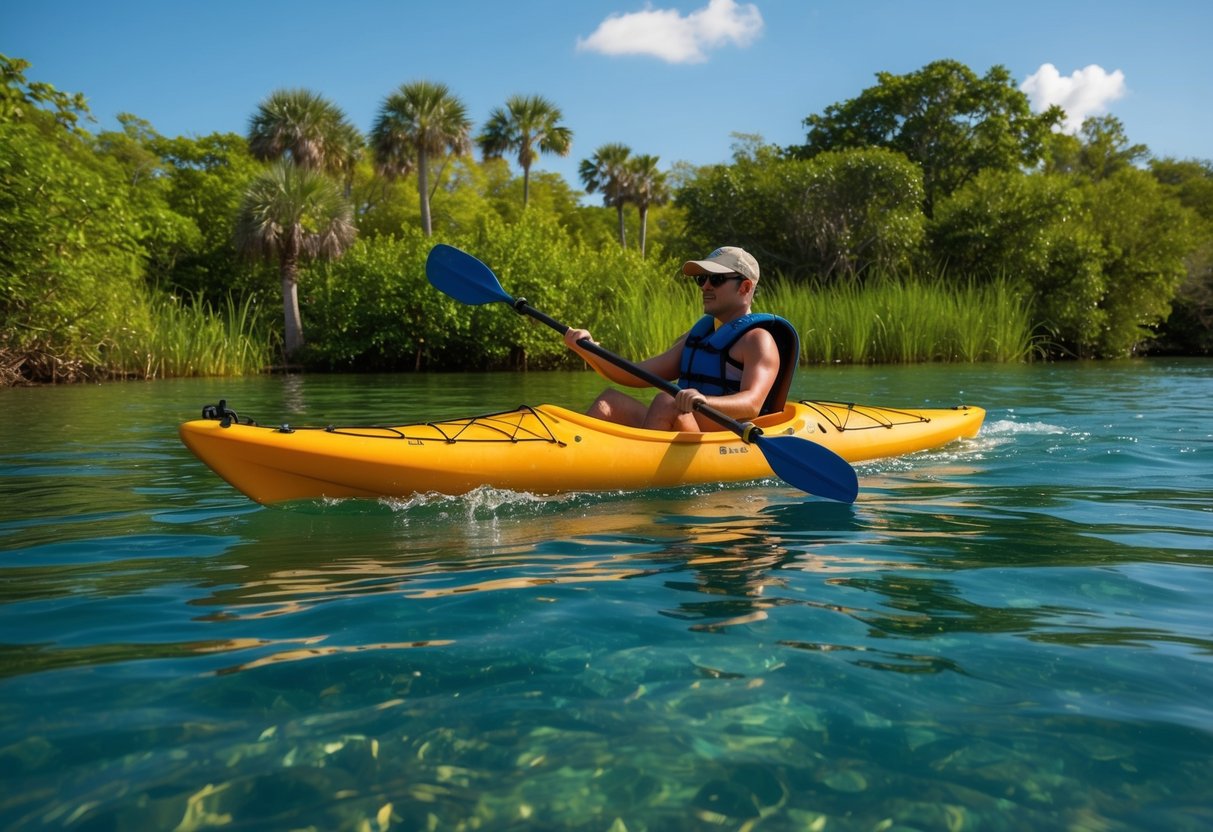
623,234
644,228
526,184
292,324
423,189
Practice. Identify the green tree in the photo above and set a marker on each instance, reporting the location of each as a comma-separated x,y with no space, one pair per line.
304,127
165,235
1190,327
69,258
418,122
841,213
608,171
529,125
374,310
646,188
1102,259
1147,236
944,118
550,194
1035,230
854,211
36,102
291,213
206,178
727,201
1191,180
70,253
1105,150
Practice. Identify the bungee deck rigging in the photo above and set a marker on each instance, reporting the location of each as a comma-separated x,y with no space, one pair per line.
526,423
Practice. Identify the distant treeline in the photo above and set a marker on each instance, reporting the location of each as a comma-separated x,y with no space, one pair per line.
932,217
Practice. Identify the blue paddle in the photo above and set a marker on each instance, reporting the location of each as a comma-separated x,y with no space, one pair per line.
797,461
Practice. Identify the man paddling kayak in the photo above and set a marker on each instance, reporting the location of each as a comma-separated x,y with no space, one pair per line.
735,361
796,460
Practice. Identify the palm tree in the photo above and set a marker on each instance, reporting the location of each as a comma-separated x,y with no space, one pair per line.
419,120
646,187
305,127
530,125
289,213
607,171
349,148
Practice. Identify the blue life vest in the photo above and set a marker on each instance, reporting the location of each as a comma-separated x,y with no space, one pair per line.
705,357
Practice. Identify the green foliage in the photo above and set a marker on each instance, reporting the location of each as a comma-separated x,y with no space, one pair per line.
943,117
572,282
1099,150
1189,330
99,233
528,125
1190,180
608,172
1034,230
164,234
205,180
69,254
837,214
188,338
383,206
904,321
374,310
306,128
1146,237
646,189
463,193
290,214
650,311
36,102
1106,150
1102,259
417,124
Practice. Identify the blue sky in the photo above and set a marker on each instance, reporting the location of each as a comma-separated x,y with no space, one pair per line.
674,78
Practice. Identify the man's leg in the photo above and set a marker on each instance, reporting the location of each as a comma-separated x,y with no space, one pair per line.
620,408
663,415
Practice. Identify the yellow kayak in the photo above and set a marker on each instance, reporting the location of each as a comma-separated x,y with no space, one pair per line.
543,449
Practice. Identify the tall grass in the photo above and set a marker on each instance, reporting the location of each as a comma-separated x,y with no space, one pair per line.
649,322
909,321
884,321
188,338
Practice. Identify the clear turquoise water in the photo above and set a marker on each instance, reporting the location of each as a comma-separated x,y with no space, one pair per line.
1013,632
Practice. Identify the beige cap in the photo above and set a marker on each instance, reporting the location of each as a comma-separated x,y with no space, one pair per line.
725,260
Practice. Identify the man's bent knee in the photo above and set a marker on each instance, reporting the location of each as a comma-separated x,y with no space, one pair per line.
613,406
663,414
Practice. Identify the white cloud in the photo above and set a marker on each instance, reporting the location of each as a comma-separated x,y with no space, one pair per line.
666,34
1086,92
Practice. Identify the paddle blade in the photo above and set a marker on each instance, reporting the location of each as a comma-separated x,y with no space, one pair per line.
810,467
463,277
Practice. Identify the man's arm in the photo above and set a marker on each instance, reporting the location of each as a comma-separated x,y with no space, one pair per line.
664,365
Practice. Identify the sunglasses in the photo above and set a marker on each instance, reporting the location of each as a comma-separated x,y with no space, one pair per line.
717,280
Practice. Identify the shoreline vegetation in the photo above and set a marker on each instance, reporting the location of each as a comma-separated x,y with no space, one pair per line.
126,254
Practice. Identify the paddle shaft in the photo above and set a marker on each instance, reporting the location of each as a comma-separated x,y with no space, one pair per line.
748,431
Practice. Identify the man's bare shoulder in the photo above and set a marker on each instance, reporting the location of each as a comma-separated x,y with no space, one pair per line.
757,341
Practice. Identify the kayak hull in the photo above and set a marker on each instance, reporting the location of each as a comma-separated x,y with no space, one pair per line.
544,449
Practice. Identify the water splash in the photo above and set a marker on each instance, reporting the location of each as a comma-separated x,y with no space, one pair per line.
1009,427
